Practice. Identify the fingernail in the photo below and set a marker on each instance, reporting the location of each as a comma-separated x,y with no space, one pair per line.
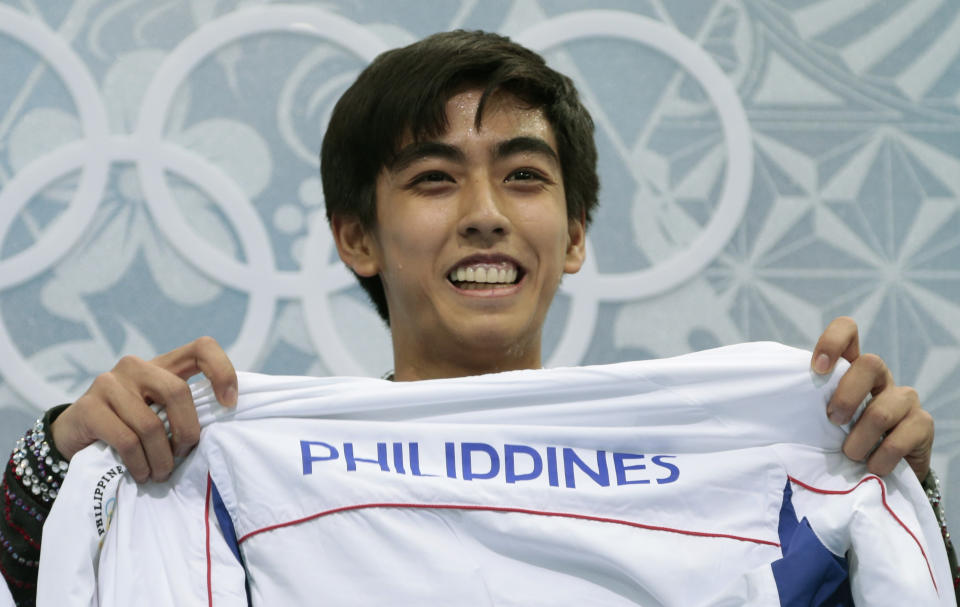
821,364
230,397
836,416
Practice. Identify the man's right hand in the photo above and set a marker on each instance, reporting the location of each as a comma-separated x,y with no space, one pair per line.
116,408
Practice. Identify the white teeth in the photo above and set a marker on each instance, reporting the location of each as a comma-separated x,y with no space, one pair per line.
485,274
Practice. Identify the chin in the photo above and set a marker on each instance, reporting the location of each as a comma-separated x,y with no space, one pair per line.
497,337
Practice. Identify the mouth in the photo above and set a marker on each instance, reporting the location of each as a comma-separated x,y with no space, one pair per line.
475,274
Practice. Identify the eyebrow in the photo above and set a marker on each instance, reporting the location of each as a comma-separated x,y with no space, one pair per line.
435,149
531,145
425,149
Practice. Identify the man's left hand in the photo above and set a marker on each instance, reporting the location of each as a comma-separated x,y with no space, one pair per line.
893,425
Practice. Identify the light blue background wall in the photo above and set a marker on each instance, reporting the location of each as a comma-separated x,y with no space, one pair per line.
766,166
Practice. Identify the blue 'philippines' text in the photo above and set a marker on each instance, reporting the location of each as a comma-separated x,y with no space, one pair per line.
510,463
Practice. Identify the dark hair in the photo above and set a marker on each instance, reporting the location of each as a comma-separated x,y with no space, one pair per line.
405,91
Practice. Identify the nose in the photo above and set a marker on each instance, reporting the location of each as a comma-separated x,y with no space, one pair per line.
482,213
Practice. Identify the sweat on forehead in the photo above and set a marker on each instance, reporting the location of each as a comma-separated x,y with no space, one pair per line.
433,121
528,131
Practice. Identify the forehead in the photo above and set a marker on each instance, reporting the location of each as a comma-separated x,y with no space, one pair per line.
502,116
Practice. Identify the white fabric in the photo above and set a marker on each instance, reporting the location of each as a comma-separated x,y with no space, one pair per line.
722,430
5,599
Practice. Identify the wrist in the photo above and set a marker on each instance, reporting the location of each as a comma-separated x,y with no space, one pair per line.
61,433
38,465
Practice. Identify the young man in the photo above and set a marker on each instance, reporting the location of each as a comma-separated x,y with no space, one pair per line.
460,177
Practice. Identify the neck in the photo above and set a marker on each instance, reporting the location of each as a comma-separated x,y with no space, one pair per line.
422,362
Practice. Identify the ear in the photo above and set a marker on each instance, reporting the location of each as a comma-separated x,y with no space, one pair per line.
576,244
356,245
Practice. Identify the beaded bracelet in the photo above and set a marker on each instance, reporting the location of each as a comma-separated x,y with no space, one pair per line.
931,486
39,467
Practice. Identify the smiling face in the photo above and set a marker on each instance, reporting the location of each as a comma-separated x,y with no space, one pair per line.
471,241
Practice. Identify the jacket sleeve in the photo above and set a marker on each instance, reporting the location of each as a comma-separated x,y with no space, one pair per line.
32,476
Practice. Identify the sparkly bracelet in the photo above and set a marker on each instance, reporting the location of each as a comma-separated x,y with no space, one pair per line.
37,465
931,486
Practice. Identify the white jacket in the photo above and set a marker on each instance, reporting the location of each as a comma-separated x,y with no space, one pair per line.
708,479
6,600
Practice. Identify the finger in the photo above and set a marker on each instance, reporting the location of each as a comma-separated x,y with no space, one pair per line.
113,431
919,456
840,339
880,418
867,375
150,432
913,436
102,423
153,383
204,355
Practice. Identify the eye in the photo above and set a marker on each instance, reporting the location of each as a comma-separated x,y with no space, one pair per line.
431,177
529,178
524,175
